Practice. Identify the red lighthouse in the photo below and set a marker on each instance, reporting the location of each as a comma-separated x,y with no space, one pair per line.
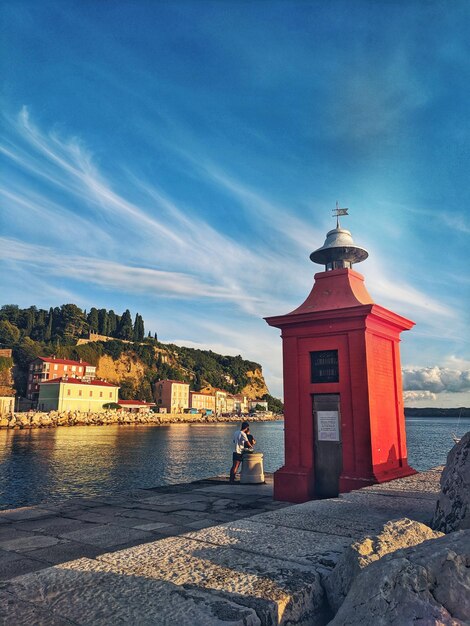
343,401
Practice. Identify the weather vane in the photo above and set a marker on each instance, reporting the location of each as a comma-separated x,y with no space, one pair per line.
337,212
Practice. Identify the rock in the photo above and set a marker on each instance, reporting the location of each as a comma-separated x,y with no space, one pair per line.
453,506
396,534
23,420
426,584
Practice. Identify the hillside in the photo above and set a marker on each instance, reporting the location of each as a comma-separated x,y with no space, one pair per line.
131,359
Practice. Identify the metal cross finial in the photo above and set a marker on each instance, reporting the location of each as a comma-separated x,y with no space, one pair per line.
337,212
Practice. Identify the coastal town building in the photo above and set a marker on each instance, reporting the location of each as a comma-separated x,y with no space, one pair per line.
258,405
202,401
172,395
7,405
240,404
230,403
74,394
220,401
136,406
49,368
7,391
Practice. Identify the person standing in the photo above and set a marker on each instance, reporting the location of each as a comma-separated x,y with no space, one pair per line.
251,441
240,439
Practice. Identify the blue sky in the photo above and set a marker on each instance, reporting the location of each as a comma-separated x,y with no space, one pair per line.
181,159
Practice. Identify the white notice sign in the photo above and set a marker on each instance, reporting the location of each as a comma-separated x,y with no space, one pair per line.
328,425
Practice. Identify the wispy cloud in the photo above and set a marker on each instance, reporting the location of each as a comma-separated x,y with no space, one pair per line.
123,233
110,274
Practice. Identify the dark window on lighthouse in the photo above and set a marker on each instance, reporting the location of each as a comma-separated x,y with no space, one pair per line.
324,366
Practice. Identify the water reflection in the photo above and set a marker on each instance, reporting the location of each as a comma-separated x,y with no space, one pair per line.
50,465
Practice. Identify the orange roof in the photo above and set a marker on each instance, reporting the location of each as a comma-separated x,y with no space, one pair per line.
135,403
78,381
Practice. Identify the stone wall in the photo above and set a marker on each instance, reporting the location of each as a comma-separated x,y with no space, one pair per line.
36,419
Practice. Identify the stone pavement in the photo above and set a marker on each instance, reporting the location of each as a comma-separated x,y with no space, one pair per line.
202,553
35,537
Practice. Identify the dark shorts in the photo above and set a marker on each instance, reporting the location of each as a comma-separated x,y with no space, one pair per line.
237,457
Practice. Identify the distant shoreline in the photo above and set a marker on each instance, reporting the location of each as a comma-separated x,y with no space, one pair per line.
437,412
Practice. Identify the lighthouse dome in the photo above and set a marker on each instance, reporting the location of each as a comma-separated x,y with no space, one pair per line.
339,250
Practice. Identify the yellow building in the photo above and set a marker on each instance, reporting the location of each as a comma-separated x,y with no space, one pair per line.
230,403
202,401
220,401
172,395
7,405
73,394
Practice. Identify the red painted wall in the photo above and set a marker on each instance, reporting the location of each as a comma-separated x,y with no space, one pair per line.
344,318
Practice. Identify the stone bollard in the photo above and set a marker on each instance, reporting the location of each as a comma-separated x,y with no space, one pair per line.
252,468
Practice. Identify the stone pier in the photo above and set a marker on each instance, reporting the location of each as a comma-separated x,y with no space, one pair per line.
204,553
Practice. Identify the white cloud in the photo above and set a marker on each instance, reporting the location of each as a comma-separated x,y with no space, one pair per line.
436,380
413,396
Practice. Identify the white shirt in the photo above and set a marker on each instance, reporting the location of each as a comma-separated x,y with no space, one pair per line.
239,439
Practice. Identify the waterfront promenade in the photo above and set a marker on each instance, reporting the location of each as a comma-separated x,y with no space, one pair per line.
199,553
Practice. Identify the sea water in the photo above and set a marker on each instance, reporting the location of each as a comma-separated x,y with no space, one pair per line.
54,464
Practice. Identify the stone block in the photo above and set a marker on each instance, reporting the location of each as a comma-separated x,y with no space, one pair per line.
106,536
317,550
280,591
25,513
453,506
13,564
238,489
350,526
425,584
393,536
19,612
49,525
421,485
64,551
25,544
419,509
90,592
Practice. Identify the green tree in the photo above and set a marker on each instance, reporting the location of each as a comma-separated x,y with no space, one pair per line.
103,327
27,320
125,329
127,390
72,322
274,404
112,323
23,353
197,383
11,313
48,329
9,333
39,329
139,331
93,320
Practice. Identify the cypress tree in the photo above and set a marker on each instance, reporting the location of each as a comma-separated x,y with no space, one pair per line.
112,323
48,331
125,329
103,325
93,320
138,331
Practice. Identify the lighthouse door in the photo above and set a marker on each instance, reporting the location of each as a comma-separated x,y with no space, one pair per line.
328,454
